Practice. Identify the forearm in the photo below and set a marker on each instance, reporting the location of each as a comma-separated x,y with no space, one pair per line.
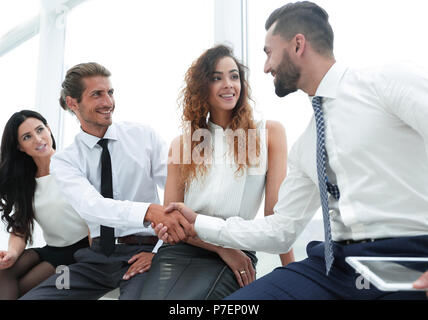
204,245
93,207
287,258
16,244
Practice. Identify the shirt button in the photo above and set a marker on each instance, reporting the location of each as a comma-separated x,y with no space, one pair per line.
331,212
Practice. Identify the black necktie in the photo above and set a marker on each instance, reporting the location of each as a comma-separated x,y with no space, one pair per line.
106,233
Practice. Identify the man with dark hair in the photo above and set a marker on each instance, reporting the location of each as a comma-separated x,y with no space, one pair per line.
363,160
305,18
110,176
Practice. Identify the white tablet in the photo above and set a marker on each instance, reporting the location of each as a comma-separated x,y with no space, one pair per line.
390,273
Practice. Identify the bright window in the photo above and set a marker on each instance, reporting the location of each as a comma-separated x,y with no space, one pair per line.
18,76
15,12
366,33
148,46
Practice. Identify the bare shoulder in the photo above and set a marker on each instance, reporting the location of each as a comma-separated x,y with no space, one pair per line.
175,153
276,132
176,142
275,126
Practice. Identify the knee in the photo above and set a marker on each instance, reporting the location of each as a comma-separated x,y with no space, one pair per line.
7,275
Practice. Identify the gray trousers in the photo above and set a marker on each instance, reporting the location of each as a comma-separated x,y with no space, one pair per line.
94,275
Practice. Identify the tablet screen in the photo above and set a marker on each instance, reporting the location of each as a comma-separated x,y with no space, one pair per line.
396,271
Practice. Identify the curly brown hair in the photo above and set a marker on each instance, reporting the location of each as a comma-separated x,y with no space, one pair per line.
194,101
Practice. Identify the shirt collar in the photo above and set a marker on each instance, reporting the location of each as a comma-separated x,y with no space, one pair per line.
212,126
91,140
329,85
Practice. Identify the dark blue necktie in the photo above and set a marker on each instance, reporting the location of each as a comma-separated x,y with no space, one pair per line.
106,233
324,185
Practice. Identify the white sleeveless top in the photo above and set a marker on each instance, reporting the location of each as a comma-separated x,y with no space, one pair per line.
61,225
223,193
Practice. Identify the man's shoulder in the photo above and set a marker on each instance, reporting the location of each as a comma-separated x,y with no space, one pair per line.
393,70
69,151
129,127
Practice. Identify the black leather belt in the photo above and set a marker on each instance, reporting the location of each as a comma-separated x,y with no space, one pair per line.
133,240
348,242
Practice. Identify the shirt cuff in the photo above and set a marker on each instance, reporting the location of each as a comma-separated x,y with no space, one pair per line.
138,213
208,228
157,246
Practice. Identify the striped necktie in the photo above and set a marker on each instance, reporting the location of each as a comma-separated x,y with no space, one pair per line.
324,185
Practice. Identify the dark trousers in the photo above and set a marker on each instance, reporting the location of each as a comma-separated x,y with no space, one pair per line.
186,272
94,275
307,280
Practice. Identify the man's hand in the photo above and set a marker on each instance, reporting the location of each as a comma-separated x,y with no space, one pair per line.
161,232
161,229
140,263
422,282
188,213
179,229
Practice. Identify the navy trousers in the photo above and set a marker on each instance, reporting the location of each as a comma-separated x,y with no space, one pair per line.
307,280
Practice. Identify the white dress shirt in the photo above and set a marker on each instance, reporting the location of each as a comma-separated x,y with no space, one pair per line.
377,144
138,157
222,192
61,224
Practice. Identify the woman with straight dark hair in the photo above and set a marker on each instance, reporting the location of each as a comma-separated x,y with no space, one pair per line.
29,193
221,166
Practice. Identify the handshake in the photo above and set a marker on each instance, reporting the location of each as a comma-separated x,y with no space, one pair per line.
173,223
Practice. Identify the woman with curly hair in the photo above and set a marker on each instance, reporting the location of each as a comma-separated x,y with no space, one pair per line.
27,193
223,175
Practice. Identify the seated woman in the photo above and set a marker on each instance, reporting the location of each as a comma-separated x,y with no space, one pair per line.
223,176
28,193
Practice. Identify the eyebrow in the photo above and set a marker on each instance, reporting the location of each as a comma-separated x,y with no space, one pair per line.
231,71
23,135
99,90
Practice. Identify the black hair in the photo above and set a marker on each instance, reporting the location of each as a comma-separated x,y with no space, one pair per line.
17,178
306,18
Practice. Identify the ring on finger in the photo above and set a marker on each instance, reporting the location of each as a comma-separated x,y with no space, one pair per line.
242,272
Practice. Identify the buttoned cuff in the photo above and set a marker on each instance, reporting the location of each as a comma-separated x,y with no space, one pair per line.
208,228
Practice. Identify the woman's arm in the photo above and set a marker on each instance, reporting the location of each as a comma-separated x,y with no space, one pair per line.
16,247
174,187
277,170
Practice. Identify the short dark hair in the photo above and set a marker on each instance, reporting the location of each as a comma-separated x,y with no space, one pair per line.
306,18
73,85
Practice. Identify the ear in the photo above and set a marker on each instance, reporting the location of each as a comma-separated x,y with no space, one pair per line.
72,103
299,44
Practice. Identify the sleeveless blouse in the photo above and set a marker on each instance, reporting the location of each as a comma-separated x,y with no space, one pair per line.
223,193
